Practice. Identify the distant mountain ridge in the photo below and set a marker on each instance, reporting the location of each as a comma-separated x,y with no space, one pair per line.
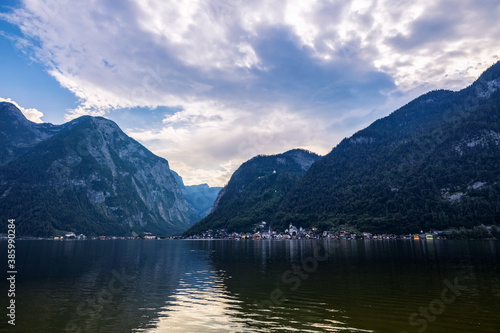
200,197
85,176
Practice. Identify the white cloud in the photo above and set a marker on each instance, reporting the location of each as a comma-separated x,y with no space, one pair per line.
228,66
209,151
150,53
31,114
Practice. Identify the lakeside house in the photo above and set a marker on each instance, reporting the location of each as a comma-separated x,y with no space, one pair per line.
70,235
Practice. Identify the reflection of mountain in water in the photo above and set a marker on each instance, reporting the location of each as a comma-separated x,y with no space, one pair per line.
362,286
273,298
226,286
71,285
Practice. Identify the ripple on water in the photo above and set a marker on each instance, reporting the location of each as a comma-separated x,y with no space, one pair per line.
202,304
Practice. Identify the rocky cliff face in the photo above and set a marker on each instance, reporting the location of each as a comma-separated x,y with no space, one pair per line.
86,176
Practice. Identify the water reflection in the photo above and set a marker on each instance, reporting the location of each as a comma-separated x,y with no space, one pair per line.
200,304
238,286
362,286
230,288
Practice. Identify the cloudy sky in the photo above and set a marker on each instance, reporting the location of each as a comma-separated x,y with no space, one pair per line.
209,84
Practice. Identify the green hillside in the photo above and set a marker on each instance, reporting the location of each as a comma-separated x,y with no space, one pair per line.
434,163
255,191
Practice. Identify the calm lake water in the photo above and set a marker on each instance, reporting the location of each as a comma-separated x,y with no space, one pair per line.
255,286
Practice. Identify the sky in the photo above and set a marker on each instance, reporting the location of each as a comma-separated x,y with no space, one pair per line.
210,84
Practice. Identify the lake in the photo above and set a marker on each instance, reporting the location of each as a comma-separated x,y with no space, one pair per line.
256,286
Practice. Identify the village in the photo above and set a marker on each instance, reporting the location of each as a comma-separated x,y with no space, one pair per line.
265,232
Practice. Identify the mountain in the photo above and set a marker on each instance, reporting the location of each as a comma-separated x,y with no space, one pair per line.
85,176
18,134
200,197
434,163
255,191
